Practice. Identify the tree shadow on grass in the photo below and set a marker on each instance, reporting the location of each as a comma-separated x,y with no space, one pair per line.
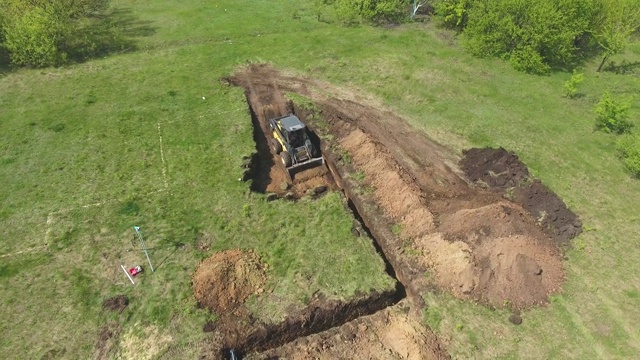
625,67
114,32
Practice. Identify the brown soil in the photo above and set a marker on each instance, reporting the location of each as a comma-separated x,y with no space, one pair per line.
107,341
472,241
502,171
225,280
117,303
265,170
244,333
392,333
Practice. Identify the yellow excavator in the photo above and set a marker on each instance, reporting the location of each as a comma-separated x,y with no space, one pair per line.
291,141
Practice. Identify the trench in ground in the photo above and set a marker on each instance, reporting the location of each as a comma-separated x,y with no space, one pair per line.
263,170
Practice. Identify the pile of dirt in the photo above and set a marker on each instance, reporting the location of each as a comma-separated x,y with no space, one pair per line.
502,171
550,211
117,303
225,280
497,168
392,333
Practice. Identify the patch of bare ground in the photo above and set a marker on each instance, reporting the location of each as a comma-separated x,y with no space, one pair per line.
107,341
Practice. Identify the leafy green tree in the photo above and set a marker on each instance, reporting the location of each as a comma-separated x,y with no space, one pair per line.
34,37
612,115
453,13
533,35
613,26
41,33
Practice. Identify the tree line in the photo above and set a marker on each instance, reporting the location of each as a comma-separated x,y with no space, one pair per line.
534,36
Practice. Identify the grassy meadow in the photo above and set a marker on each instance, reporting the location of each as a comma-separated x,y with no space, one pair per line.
150,137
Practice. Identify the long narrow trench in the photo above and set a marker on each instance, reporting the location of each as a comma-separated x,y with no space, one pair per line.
315,318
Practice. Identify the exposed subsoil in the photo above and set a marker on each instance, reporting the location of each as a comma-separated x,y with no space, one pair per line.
225,280
393,333
497,246
470,241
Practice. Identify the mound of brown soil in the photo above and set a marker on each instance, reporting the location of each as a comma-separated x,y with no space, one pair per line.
225,280
501,170
497,168
116,303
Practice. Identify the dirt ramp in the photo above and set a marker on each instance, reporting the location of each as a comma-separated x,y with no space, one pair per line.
225,280
499,219
502,171
392,333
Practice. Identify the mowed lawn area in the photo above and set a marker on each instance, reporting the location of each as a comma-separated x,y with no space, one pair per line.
151,137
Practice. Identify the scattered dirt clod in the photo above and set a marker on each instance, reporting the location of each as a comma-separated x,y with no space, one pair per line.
515,319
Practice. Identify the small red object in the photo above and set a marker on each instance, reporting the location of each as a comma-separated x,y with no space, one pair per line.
135,270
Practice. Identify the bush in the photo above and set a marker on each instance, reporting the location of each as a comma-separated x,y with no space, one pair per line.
452,13
353,12
571,85
612,115
528,60
33,38
629,150
40,33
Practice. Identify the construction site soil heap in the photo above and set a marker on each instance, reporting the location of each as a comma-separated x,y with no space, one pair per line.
224,281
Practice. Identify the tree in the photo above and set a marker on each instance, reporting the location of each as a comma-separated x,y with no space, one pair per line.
415,6
453,13
613,26
533,35
33,38
41,33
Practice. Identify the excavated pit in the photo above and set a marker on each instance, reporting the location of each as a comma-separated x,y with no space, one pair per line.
434,228
265,170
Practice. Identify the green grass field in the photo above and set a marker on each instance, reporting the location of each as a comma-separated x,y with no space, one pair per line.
81,163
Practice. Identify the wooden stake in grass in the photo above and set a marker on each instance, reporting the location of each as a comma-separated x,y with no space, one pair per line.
126,273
